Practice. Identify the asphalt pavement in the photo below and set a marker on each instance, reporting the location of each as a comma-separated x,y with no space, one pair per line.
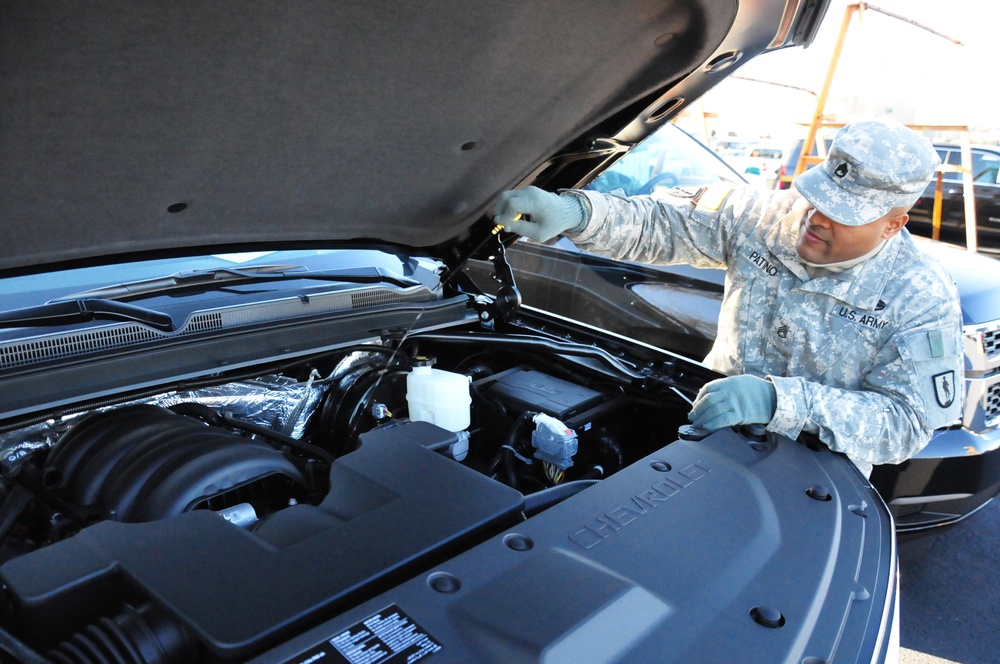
950,593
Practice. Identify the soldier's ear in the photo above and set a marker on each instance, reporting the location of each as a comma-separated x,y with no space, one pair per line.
895,225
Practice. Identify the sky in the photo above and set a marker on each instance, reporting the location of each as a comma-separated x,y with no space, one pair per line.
888,67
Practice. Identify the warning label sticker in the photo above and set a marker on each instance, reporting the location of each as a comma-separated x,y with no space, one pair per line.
388,637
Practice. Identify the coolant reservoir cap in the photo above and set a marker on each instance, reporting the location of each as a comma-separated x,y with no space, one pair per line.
423,361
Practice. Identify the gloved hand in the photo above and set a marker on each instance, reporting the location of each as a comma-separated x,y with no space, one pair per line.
544,215
734,400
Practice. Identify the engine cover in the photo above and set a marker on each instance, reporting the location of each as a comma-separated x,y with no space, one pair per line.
394,502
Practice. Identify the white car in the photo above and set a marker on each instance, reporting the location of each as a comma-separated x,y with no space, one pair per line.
761,163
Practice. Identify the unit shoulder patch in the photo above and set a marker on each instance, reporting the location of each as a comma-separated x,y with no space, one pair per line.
944,388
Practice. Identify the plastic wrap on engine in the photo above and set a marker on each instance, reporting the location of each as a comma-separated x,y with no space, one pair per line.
279,403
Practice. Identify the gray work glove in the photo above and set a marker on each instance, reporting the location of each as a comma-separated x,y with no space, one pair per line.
734,400
538,214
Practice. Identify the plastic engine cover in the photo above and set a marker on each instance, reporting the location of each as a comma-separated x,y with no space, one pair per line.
393,505
707,551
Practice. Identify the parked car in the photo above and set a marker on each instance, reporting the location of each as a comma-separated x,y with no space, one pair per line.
253,409
676,307
986,189
761,163
730,148
787,172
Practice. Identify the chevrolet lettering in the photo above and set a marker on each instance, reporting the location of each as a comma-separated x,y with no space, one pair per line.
612,520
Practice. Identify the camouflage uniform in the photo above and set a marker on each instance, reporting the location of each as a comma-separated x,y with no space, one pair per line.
869,359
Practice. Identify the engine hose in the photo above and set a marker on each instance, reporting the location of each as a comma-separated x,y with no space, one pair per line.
511,448
20,652
280,438
142,635
13,504
541,344
509,470
611,453
199,411
546,498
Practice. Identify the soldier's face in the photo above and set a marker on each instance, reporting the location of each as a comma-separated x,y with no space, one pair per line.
822,240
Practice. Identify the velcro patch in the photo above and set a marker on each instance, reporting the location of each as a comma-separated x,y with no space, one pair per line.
713,197
936,340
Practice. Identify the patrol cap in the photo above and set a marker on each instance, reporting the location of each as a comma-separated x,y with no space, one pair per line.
872,167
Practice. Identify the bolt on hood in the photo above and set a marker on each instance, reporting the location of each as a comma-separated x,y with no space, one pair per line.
166,126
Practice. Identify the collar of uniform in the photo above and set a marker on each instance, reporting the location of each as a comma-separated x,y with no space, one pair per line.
869,279
859,286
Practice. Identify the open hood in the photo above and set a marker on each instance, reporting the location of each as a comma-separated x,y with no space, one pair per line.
256,409
166,126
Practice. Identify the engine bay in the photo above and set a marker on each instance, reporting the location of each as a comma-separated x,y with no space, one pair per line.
303,490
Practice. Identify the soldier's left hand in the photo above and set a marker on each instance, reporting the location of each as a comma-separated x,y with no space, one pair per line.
732,401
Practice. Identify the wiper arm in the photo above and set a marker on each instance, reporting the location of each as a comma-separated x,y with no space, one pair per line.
209,279
52,314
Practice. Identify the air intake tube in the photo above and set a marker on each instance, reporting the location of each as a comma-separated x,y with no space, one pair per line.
140,635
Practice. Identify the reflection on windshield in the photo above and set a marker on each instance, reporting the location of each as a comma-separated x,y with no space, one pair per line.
668,158
672,307
35,289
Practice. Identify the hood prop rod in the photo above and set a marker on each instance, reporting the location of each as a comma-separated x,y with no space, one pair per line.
508,298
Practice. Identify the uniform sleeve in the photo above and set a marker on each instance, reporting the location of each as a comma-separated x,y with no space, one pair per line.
914,387
697,229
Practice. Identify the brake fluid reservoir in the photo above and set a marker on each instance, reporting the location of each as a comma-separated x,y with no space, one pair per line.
439,397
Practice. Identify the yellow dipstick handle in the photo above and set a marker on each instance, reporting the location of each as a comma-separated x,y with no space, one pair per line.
499,227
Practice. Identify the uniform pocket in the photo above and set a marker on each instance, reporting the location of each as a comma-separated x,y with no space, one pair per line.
935,362
829,350
750,342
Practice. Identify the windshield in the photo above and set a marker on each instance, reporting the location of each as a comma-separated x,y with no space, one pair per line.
673,307
34,289
668,158
985,165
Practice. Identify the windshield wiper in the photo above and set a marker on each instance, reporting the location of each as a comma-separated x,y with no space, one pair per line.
209,279
103,303
52,314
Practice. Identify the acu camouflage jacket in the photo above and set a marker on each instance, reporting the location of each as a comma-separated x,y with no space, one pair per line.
869,359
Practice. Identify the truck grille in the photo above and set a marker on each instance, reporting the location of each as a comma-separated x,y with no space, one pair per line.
981,342
991,405
991,343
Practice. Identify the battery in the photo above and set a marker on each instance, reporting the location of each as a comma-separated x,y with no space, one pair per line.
527,389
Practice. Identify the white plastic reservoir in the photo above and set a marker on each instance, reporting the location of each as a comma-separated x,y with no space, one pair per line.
439,397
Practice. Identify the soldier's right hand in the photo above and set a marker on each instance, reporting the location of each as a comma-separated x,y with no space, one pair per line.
539,214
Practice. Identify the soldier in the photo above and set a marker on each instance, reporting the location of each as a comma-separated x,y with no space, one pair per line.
833,322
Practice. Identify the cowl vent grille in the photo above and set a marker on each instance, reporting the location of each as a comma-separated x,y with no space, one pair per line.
119,335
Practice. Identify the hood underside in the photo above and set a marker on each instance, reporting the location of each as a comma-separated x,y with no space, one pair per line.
166,125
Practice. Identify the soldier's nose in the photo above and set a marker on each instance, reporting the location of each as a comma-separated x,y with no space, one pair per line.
817,218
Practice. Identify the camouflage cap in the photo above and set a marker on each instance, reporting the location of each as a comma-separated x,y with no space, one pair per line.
872,167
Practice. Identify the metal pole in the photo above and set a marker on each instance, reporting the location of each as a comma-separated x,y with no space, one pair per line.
817,119
971,237
936,217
